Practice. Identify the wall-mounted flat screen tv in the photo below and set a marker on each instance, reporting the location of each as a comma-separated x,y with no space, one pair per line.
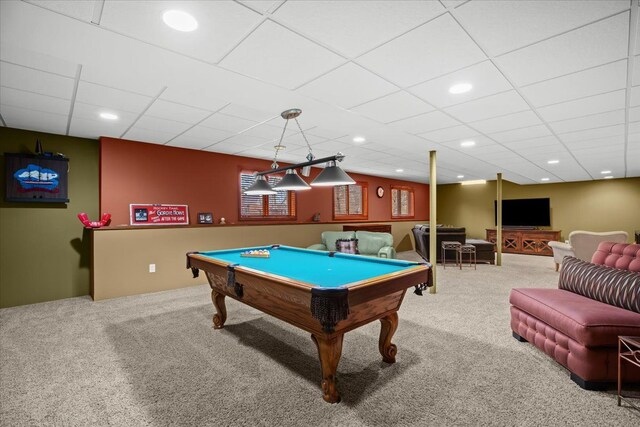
524,212
31,178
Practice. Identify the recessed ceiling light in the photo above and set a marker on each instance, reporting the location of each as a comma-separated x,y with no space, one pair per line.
109,116
399,170
179,20
553,162
608,177
605,172
359,139
460,176
467,143
544,179
459,88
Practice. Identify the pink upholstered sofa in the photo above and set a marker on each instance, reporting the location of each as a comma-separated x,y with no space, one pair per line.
580,332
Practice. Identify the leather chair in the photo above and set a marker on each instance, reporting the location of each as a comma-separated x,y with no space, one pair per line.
583,244
448,234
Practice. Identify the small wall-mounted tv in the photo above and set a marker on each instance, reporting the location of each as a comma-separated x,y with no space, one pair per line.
35,178
524,212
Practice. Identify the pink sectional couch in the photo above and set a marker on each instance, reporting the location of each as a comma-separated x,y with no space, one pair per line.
578,324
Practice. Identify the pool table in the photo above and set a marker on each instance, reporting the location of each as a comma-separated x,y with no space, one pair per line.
324,293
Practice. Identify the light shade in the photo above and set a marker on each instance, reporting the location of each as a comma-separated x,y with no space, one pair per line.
291,182
259,188
332,175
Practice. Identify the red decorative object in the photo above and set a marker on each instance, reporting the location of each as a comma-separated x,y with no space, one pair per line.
84,219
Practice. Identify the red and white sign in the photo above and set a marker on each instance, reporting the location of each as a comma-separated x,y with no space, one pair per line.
140,214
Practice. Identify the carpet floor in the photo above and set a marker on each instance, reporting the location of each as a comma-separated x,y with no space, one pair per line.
156,360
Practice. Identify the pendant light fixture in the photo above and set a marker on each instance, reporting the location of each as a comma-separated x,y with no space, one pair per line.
331,175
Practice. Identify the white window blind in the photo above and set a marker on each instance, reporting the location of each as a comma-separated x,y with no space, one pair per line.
277,205
350,200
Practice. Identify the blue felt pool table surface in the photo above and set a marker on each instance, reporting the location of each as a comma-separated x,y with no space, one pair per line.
313,267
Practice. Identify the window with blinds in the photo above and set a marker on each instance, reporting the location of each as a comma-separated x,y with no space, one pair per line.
350,201
402,202
277,206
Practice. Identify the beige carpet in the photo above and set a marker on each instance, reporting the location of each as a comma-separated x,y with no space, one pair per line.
155,360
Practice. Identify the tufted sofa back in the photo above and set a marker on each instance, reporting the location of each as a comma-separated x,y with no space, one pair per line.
624,256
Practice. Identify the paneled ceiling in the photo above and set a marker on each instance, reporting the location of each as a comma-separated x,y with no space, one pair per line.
552,80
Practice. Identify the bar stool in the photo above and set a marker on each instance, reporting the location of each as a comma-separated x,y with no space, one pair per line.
467,249
453,246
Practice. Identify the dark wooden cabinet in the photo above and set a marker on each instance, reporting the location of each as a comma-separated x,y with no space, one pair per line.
378,228
519,241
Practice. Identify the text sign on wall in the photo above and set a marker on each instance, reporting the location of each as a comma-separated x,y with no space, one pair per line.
141,214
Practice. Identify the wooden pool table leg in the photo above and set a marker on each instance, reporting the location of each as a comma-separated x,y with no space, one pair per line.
221,310
389,326
329,351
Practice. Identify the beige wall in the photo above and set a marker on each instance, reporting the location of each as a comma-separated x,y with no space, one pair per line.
603,205
122,256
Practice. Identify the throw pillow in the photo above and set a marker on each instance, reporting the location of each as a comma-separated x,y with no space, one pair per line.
347,246
620,288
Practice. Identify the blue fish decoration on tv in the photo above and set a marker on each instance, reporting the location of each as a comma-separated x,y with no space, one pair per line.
36,178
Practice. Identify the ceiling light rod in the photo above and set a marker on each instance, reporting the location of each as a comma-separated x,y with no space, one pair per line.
337,158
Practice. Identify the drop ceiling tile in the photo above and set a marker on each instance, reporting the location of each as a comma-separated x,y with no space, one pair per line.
634,114
27,79
425,122
635,95
352,27
521,134
276,55
226,148
347,86
434,49
191,142
262,6
393,107
592,133
595,81
162,125
221,24
525,22
634,127
152,136
612,141
210,135
80,9
508,122
326,133
635,78
450,134
583,107
21,118
92,128
92,112
244,141
18,55
593,45
485,78
589,122
334,146
228,123
194,96
177,112
34,101
253,114
110,98
490,106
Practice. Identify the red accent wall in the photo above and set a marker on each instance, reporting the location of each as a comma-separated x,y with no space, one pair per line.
136,172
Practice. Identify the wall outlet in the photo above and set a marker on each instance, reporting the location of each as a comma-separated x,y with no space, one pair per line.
152,268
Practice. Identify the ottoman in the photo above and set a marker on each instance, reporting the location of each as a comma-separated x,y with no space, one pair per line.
484,250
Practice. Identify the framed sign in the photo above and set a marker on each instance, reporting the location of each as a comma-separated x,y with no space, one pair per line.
141,214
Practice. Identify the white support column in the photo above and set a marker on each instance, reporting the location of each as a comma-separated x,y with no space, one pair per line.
433,251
